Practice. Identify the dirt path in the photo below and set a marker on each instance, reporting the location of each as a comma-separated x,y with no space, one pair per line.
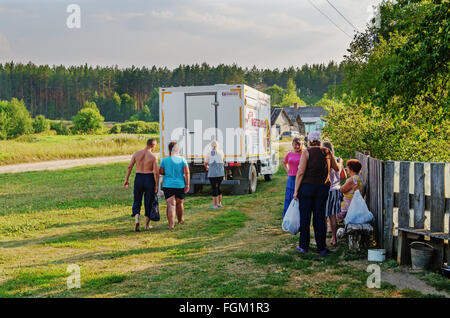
61,164
402,279
406,280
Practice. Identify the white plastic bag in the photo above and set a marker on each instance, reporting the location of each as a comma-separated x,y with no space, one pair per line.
291,220
358,213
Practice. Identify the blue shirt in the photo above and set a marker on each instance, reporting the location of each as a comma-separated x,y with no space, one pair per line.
173,172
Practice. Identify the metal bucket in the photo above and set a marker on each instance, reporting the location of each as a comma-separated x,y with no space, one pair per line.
421,255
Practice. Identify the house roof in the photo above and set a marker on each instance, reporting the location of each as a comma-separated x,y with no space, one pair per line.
275,112
291,113
311,111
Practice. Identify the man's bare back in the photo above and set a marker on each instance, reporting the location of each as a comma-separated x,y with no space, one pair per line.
145,161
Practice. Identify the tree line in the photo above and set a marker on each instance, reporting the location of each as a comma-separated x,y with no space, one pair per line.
59,92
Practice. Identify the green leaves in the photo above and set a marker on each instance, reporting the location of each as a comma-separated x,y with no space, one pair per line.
15,119
88,120
397,79
40,124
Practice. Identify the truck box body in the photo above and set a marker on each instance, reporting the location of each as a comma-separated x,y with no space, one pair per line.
238,116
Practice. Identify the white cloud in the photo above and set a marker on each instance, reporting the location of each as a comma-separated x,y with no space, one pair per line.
162,14
4,44
11,11
116,17
105,17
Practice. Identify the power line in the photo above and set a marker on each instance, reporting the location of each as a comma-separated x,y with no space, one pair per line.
337,26
351,24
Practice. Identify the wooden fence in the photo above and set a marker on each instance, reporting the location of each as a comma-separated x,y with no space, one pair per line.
399,188
372,177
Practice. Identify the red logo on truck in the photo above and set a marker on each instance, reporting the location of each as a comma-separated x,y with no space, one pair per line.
255,122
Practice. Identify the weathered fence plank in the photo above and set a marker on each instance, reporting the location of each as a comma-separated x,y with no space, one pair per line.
376,197
372,177
388,207
380,203
437,212
403,214
364,175
447,212
419,196
371,188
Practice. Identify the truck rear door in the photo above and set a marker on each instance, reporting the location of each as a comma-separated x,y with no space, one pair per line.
200,117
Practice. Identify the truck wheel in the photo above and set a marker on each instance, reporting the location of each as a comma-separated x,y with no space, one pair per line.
268,177
253,179
243,175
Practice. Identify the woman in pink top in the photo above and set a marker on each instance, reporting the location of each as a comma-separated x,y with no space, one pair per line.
291,162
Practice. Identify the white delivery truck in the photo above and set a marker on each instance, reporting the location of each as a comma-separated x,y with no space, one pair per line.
237,116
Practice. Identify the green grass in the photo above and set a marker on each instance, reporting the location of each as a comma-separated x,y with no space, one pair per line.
41,147
49,220
436,280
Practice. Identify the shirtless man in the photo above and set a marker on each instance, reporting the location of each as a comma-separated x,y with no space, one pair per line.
145,183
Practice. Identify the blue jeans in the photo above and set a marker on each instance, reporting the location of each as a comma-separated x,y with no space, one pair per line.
290,187
313,200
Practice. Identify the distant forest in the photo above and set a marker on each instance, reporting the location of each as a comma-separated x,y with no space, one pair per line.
59,92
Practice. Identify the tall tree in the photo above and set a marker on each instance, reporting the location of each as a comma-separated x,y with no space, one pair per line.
290,97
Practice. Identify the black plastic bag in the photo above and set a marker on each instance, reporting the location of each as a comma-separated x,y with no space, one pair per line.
154,212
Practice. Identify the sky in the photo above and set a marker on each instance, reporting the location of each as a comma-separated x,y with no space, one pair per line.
268,34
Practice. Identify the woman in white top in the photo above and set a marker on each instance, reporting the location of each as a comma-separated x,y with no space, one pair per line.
214,164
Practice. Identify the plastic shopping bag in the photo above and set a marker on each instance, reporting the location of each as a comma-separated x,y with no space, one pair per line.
291,220
154,212
358,213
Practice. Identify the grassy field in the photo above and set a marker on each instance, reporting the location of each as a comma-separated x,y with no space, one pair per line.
32,148
49,220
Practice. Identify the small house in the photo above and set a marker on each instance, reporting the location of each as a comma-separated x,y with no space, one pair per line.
306,118
281,121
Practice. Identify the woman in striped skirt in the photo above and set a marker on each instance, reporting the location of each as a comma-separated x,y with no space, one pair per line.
333,207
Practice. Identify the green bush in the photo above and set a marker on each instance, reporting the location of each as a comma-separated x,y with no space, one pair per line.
153,127
15,119
40,124
116,129
59,127
134,117
88,120
136,127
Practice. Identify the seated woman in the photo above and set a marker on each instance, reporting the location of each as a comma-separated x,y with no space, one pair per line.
351,185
